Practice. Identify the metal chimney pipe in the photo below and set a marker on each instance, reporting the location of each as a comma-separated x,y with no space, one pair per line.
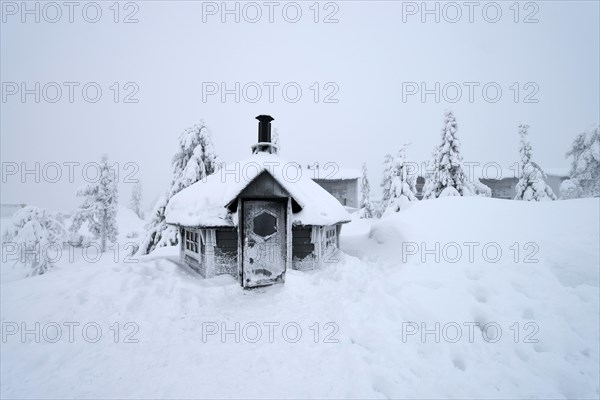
264,128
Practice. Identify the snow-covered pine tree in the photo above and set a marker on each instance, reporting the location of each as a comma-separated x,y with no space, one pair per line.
428,174
366,207
447,163
99,207
32,229
33,241
480,189
56,232
585,166
158,233
386,183
532,185
570,189
135,203
275,141
403,189
194,160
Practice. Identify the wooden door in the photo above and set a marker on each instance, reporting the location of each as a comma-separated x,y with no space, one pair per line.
264,242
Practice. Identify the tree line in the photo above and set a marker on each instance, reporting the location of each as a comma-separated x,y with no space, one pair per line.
446,177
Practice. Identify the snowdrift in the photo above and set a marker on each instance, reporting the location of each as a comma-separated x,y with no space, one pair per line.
380,321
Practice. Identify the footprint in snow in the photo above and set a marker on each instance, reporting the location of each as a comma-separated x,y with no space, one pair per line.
459,363
479,293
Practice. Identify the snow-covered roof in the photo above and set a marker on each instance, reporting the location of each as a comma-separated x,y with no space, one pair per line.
494,171
205,203
334,173
562,172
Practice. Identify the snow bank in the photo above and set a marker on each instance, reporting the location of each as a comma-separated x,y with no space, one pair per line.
130,225
563,233
370,299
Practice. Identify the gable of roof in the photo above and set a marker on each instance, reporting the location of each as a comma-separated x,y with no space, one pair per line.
263,186
210,202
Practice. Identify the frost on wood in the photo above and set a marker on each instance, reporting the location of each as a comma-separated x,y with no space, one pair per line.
532,185
366,207
585,166
99,207
264,242
194,161
307,263
447,163
225,263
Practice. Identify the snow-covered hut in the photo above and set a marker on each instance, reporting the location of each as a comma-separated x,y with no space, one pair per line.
256,218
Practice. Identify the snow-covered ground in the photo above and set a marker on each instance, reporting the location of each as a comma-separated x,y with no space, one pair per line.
361,319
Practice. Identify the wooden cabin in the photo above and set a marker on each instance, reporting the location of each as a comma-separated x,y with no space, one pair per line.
257,218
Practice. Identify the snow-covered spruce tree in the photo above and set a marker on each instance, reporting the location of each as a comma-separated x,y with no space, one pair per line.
386,183
135,203
56,232
366,207
403,187
480,189
570,189
428,174
532,185
447,164
99,207
158,233
585,166
194,160
33,240
31,229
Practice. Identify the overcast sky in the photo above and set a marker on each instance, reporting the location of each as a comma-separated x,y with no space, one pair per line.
372,52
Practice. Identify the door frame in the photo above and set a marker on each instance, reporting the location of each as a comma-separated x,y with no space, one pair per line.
286,204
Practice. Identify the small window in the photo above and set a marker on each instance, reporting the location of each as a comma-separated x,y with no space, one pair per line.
191,241
265,224
330,236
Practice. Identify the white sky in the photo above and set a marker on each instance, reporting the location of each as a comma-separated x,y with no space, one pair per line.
369,53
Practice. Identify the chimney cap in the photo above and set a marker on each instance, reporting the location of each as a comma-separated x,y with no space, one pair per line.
265,118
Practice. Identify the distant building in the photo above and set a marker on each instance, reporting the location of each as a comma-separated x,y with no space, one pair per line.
504,188
419,186
341,183
503,181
